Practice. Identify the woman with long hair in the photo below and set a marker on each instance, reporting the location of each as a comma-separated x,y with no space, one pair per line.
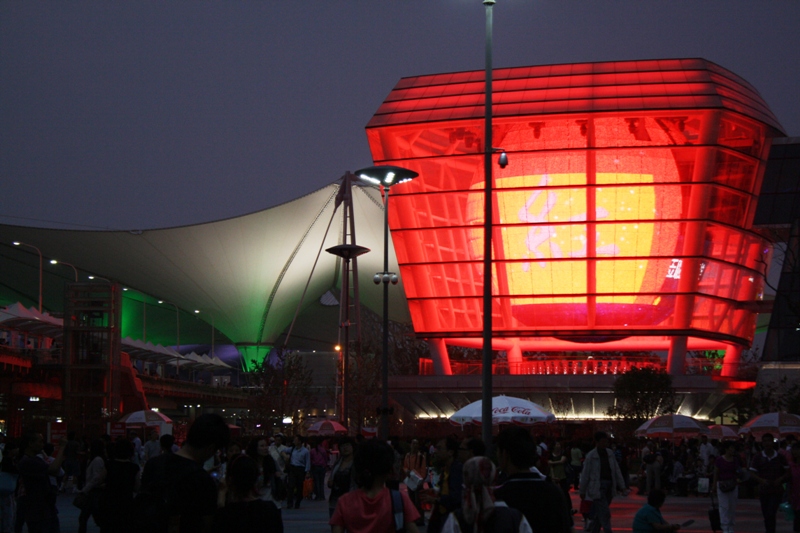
244,511
95,483
479,511
269,482
341,481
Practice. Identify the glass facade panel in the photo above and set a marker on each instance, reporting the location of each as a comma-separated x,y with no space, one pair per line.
624,209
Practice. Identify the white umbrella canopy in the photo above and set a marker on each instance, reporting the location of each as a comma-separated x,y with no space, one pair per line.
505,410
720,432
671,426
778,424
327,428
148,418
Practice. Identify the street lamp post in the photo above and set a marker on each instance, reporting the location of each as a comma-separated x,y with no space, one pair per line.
55,262
486,370
41,269
347,252
385,176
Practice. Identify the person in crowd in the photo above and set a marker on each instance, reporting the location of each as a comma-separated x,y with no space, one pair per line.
8,465
558,471
794,486
371,507
95,483
234,450
319,465
540,501
180,479
576,462
298,460
726,484
601,479
479,511
48,457
648,519
152,448
653,465
342,478
276,450
39,506
116,501
138,449
415,461
242,510
167,443
470,447
445,498
769,469
677,479
268,475
706,450
72,464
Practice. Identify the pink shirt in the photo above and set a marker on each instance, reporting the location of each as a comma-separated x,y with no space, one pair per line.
358,513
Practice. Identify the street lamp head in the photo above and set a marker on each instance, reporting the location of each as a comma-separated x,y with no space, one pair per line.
53,262
16,243
386,175
489,2
394,279
376,279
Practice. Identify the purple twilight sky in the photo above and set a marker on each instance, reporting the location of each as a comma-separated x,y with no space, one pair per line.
145,114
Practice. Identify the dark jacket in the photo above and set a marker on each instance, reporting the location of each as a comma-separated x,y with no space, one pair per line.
541,501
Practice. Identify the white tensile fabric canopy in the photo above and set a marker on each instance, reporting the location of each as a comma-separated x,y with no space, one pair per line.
250,270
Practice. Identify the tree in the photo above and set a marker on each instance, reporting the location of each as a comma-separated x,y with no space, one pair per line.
769,397
281,382
643,393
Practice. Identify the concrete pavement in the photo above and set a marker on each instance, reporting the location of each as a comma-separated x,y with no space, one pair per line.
312,517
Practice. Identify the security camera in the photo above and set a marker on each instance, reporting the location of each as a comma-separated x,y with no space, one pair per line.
503,160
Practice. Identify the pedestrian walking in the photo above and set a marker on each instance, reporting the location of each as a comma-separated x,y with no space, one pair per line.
601,479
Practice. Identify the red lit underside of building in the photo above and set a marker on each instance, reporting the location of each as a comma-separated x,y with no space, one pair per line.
623,221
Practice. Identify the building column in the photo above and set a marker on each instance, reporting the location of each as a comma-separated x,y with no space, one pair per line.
514,358
441,359
732,360
676,359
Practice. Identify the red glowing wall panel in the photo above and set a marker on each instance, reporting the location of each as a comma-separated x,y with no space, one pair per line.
625,209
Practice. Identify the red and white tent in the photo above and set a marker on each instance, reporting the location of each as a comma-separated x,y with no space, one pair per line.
505,410
671,426
778,424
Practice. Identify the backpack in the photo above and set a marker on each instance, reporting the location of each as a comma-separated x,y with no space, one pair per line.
398,511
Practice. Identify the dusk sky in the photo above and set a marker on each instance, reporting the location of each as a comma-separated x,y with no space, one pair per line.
144,114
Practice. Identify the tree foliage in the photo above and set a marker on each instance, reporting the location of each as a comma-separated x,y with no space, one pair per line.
281,384
643,393
770,397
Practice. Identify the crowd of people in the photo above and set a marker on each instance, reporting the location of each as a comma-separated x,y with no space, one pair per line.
448,485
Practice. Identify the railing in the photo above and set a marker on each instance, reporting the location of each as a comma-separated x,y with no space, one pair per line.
577,366
188,389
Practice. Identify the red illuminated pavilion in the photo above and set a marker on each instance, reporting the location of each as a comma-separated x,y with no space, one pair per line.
623,221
